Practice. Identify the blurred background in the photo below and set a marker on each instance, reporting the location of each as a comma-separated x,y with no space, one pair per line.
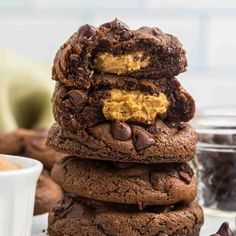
34,29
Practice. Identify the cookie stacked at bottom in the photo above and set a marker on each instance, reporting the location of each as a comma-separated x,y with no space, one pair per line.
121,116
119,198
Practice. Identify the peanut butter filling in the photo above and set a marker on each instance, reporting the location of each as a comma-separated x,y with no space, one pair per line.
126,105
8,165
107,62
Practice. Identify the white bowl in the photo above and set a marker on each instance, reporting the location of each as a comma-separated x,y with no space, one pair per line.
17,194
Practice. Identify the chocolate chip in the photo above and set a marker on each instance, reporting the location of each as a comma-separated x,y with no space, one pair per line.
86,32
126,35
207,138
63,205
141,206
185,172
156,31
223,139
142,139
218,176
224,230
76,211
222,193
121,131
227,205
161,127
150,30
116,24
77,97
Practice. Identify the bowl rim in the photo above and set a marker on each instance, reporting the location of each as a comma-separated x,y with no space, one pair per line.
31,166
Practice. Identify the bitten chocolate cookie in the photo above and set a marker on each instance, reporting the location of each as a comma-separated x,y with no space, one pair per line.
162,142
114,48
80,217
29,143
120,98
160,184
48,193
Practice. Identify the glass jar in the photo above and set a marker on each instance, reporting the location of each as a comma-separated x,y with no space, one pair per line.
216,159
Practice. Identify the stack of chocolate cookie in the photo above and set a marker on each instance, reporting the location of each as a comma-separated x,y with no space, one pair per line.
121,114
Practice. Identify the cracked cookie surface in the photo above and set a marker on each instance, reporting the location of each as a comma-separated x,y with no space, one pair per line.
83,217
160,143
157,184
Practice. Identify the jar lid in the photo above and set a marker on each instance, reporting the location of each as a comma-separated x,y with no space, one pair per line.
216,127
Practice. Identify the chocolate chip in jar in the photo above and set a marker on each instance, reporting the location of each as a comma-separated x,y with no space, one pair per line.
216,158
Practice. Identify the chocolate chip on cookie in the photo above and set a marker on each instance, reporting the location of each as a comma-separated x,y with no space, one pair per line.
97,142
121,131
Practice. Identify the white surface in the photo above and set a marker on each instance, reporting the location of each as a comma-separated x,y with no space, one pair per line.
39,225
211,225
17,197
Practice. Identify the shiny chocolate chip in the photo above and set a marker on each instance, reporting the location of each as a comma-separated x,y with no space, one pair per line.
116,24
223,139
142,139
77,97
156,31
86,32
76,211
227,205
121,131
186,173
224,230
150,30
63,205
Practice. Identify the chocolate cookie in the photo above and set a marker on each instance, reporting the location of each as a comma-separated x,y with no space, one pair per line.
48,193
35,147
160,184
114,48
121,98
29,143
80,217
11,143
162,142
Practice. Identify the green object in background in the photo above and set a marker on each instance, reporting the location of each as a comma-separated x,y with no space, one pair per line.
25,93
